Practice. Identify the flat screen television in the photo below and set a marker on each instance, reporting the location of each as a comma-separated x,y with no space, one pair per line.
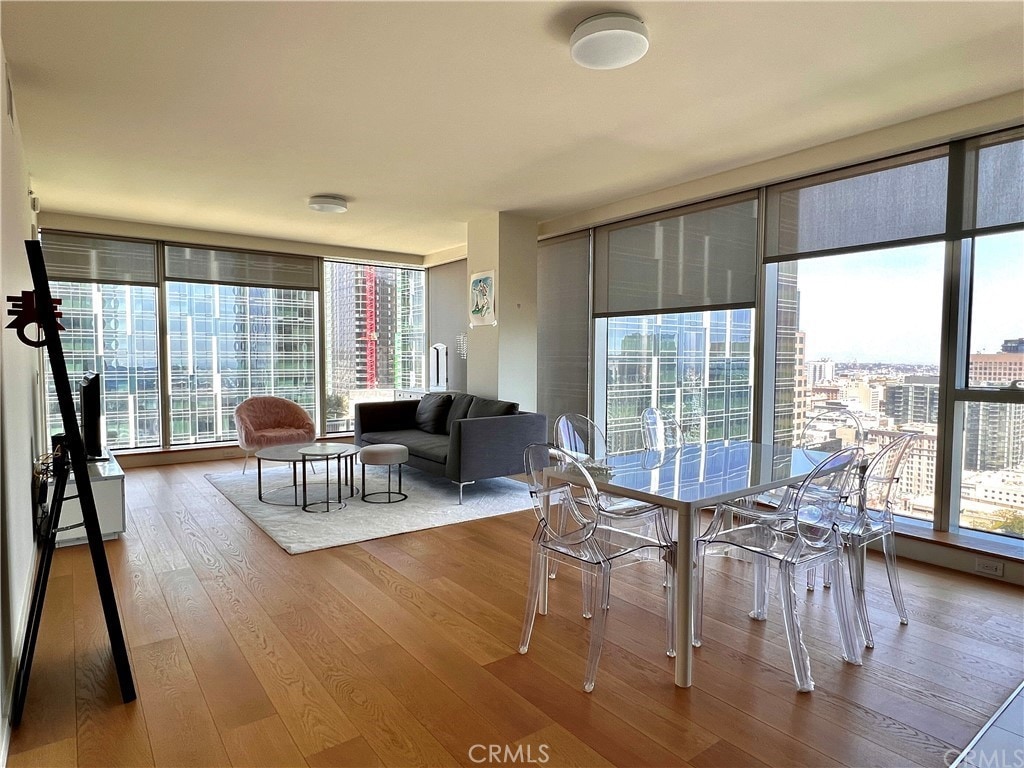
91,411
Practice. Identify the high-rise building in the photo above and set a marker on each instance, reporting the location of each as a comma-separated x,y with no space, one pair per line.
375,340
998,369
820,370
111,329
696,366
916,399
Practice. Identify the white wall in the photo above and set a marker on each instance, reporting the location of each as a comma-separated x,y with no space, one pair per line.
18,403
989,115
503,359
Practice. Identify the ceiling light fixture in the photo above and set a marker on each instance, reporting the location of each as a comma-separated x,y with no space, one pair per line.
609,41
328,203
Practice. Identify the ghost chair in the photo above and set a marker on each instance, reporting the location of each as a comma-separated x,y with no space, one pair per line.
869,518
592,538
811,539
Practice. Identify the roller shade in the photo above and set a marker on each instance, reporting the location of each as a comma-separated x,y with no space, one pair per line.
265,270
82,259
563,326
691,259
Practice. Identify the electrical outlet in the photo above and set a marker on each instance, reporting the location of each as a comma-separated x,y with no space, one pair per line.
988,567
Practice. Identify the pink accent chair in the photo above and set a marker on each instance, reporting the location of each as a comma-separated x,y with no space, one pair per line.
263,421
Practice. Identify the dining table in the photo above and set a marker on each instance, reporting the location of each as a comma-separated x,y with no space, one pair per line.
689,478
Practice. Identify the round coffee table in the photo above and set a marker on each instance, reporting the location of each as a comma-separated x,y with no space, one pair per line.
325,452
283,453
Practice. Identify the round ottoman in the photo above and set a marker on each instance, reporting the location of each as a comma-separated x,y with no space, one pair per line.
385,454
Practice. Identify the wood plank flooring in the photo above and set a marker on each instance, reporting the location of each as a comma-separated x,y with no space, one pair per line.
402,651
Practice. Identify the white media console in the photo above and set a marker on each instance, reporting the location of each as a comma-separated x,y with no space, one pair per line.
107,480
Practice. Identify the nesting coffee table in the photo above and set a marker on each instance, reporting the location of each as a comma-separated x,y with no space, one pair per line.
342,453
282,453
302,453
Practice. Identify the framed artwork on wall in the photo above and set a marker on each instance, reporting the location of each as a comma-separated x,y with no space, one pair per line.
482,299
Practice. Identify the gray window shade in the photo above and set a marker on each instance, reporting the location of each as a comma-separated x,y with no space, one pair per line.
698,258
1000,182
563,326
265,270
871,204
82,259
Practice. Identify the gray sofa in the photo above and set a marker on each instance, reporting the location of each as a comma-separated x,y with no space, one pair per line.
455,435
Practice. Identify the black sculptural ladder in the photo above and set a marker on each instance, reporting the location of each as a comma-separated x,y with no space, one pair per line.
69,450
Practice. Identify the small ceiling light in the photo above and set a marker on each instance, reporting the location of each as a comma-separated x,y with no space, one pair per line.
328,203
609,41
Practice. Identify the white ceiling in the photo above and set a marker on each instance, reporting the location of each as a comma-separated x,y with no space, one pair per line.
226,116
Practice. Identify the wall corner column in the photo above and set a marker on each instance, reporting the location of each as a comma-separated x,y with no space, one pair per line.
502,359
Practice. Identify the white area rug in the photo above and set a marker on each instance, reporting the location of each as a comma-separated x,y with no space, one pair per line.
432,502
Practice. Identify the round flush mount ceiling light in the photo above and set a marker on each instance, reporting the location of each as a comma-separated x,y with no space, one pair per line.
609,41
328,203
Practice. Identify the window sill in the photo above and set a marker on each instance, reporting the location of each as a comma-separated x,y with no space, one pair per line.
976,542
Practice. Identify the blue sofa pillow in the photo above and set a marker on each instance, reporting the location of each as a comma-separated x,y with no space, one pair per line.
432,413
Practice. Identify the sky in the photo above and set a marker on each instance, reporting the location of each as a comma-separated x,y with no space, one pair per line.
886,306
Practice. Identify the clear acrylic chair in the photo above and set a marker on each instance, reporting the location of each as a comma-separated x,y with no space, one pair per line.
660,431
870,518
825,431
591,538
582,439
812,539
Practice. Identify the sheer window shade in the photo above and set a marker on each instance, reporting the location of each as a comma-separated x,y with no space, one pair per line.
563,326
872,204
999,187
266,270
704,257
81,259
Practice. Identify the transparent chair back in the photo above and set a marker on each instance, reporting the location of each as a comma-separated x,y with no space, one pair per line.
580,437
810,539
660,431
869,517
588,537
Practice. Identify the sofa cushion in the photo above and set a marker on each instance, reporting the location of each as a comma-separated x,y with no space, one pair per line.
483,406
419,443
460,408
432,413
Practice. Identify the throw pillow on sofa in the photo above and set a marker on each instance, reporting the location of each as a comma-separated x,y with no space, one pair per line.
432,413
481,406
459,409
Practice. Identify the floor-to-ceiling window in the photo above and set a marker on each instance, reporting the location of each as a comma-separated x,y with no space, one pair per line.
374,336
108,294
987,412
673,300
238,324
891,286
182,334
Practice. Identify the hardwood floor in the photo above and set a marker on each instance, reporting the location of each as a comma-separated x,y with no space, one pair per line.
402,651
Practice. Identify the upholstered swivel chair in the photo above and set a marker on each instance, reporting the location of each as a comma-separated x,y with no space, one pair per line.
263,421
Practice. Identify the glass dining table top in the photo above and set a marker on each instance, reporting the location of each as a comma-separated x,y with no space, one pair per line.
699,474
